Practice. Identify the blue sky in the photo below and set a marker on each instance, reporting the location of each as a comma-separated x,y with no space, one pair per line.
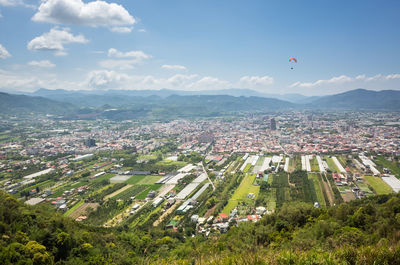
199,45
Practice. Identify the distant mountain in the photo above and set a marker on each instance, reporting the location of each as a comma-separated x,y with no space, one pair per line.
97,98
359,99
10,104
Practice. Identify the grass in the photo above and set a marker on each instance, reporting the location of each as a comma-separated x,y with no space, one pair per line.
149,180
364,187
317,187
392,166
314,165
147,157
170,162
143,194
260,161
240,194
332,166
379,186
103,177
247,168
60,191
132,191
135,179
67,213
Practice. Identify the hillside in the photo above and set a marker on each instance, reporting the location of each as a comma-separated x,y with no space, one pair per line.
14,104
361,232
360,99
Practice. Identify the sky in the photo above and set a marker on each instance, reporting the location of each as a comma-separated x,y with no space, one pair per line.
340,45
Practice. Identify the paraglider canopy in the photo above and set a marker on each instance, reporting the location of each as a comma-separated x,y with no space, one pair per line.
292,60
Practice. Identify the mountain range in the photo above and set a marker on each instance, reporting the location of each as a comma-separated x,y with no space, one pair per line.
133,104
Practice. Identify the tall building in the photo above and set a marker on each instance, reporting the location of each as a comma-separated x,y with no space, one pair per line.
273,124
89,142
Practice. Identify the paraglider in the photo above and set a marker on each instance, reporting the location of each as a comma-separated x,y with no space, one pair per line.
292,60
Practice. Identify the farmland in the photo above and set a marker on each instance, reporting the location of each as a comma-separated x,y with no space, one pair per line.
378,185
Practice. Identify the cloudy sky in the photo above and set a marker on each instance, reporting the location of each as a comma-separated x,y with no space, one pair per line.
197,45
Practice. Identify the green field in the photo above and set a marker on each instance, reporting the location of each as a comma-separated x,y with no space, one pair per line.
247,168
317,187
392,166
260,161
132,191
103,177
149,180
378,185
61,190
240,194
314,165
135,179
143,194
170,162
331,164
67,213
364,187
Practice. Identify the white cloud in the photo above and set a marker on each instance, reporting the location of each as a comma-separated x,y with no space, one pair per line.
26,81
55,41
173,67
343,83
334,80
142,30
76,12
118,64
256,81
4,53
123,60
43,63
105,79
122,29
139,55
15,3
209,83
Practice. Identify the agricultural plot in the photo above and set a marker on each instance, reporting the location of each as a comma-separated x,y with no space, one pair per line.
69,186
240,194
143,194
393,166
115,193
130,192
135,179
67,213
314,164
331,164
378,185
149,180
82,209
364,187
318,189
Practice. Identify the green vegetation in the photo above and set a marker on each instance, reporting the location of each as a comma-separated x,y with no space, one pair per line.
331,164
240,194
67,213
143,194
247,168
378,185
135,179
318,189
393,166
360,232
149,180
314,164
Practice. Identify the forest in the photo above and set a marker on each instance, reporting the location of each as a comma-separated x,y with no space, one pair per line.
365,231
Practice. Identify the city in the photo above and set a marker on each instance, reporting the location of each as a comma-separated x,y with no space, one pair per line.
198,176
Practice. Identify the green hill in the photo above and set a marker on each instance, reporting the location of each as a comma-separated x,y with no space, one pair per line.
361,232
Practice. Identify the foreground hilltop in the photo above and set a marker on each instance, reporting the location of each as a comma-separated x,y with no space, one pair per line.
365,231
